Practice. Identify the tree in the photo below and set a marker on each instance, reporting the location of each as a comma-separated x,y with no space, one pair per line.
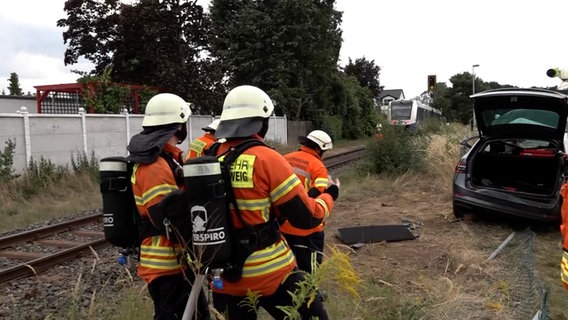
455,102
288,48
367,73
155,43
14,85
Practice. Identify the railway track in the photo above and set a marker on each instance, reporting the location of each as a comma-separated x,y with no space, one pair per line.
333,162
34,251
43,248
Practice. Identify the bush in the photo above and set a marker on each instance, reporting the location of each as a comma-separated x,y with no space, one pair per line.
6,161
39,176
398,151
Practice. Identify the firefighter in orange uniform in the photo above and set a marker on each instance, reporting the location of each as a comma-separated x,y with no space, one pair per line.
564,232
156,173
307,163
200,144
266,187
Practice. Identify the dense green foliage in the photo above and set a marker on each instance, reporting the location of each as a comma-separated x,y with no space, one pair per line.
290,49
155,43
367,73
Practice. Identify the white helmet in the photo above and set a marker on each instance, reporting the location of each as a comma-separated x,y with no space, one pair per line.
244,110
212,126
322,139
165,108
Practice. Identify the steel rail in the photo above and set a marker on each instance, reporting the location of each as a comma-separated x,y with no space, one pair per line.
39,265
345,158
37,234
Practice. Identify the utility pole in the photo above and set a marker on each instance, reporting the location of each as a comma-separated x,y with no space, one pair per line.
473,122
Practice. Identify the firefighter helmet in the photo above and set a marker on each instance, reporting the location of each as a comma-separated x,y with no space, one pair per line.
212,127
244,110
322,139
165,108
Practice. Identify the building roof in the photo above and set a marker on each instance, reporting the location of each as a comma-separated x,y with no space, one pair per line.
395,93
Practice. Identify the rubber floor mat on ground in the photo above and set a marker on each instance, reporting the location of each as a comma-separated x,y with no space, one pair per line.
366,234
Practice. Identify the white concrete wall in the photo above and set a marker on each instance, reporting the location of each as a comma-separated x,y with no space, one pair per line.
11,104
57,137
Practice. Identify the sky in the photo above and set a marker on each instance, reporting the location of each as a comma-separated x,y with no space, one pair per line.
513,41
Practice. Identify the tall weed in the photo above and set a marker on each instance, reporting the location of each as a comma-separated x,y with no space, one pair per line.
7,161
81,164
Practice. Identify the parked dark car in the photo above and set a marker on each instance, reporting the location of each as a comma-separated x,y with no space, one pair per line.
517,165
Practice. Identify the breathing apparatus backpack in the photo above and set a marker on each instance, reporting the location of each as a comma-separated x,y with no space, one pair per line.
120,217
209,194
122,224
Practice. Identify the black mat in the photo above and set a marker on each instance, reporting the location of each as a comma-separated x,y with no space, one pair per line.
365,234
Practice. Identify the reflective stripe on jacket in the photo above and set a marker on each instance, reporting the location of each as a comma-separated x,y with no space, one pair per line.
150,183
199,145
309,167
263,182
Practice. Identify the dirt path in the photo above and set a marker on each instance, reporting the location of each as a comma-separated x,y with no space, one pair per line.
445,267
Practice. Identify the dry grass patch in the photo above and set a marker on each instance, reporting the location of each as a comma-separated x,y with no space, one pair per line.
69,196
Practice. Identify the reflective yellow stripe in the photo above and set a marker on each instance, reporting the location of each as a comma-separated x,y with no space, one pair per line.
564,267
133,176
285,187
197,146
158,251
261,205
157,256
320,182
162,189
162,264
324,205
255,204
277,256
268,253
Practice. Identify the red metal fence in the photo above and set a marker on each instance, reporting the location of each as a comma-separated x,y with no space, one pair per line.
67,98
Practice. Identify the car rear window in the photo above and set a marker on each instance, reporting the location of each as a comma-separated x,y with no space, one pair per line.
496,117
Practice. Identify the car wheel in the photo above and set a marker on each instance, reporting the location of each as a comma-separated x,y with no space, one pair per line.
459,211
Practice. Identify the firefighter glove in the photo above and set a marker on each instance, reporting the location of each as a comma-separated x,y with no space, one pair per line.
313,192
332,190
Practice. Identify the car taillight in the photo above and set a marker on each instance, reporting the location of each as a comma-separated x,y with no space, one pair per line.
461,167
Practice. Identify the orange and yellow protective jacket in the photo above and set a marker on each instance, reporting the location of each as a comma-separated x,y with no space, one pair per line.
564,232
309,167
199,145
265,187
150,184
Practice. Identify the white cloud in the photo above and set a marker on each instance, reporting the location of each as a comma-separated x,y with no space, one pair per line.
39,13
36,69
513,42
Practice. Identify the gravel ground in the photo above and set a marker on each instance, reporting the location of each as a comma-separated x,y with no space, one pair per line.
67,290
